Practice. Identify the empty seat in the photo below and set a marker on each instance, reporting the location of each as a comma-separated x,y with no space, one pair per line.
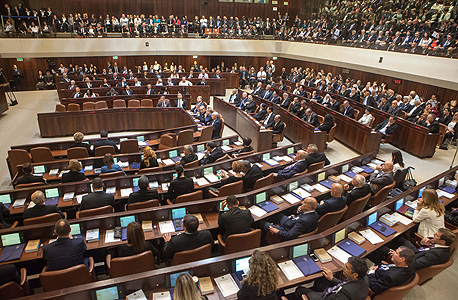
381,195
316,166
60,107
146,103
330,219
102,150
101,105
356,115
119,103
166,142
133,103
356,207
240,242
197,195
95,211
143,204
76,275
277,138
192,164
122,266
27,185
13,290
41,154
206,134
200,253
112,174
222,126
49,218
77,153
332,133
397,292
14,225
129,146
73,107
17,157
88,105
264,181
185,137
233,188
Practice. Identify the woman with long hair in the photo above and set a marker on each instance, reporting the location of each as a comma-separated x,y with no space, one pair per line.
109,164
327,124
186,289
262,279
429,213
149,158
136,242
398,162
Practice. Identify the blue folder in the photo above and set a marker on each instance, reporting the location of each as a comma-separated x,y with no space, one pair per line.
124,233
351,247
136,165
172,291
12,252
306,265
382,228
448,189
136,188
327,183
367,169
175,224
350,174
267,206
272,164
238,278
52,201
176,158
7,205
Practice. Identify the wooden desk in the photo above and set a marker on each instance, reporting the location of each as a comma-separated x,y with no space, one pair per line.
113,120
243,124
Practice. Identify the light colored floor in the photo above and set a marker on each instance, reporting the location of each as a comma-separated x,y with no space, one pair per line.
19,126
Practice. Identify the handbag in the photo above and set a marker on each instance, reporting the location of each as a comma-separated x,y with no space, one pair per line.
409,182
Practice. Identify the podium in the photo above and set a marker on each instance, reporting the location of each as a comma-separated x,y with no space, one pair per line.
3,101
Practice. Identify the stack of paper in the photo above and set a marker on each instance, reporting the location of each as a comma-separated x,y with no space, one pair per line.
271,162
212,178
19,203
411,204
53,172
258,212
441,193
79,198
371,236
339,254
32,246
165,186
126,192
111,190
123,164
403,220
109,237
68,196
287,158
301,193
201,181
357,170
168,162
276,199
320,188
290,269
238,143
226,285
322,255
162,296
259,165
307,187
154,185
388,220
92,235
344,178
206,286
166,227
147,225
277,158
226,148
291,198
88,168
63,172
138,295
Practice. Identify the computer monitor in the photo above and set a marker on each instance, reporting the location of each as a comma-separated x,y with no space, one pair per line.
441,182
123,139
226,142
115,159
219,206
290,150
39,170
339,236
200,148
173,278
265,156
372,218
141,138
261,197
345,168
292,186
300,250
173,153
111,293
208,170
51,193
178,213
399,203
321,176
242,264
135,181
5,198
11,239
420,192
75,229
126,220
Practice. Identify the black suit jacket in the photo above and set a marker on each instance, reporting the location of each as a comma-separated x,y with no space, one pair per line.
349,112
390,130
260,115
394,111
72,176
269,120
431,256
184,104
212,156
143,195
433,127
234,221
350,290
388,276
217,124
29,178
277,128
371,102
64,253
313,119
357,193
381,180
41,210
291,228
106,142
250,106
285,103
253,174
234,99
186,241
180,186
9,273
316,157
97,199
330,205
276,100
188,158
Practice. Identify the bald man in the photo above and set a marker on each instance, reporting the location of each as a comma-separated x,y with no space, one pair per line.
381,177
277,126
40,209
335,203
299,165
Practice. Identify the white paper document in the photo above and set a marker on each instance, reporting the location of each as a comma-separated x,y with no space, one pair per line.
154,185
79,198
441,193
200,155
290,269
226,285
53,172
257,211
226,148
138,295
402,219
123,164
109,236
345,178
320,188
411,204
88,168
111,190
63,172
166,227
301,193
126,192
162,296
371,236
340,254
271,162
92,235
212,178
201,181
287,158
259,165
238,143
291,198
165,186
168,162
68,196
19,203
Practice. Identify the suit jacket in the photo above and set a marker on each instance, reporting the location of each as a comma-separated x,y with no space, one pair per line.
433,127
388,276
72,176
30,178
295,107
326,126
250,292
258,91
350,290
330,205
276,100
312,119
150,92
335,106
277,128
106,142
390,130
83,145
9,273
212,156
166,104
41,210
357,193
292,169
269,120
217,124
252,174
188,158
292,227
316,157
180,186
268,95
250,106
394,111
370,101
187,241
97,199
143,195
381,180
285,103
349,112
65,253
184,104
431,256
234,221
415,112
234,99
130,92
260,115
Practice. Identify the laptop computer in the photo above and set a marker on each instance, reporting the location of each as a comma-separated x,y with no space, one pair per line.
6,200
110,293
76,230
240,267
12,246
124,222
52,196
173,155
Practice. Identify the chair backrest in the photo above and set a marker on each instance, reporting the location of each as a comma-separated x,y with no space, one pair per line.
129,146
382,194
206,134
149,170
356,116
277,138
233,188
95,211
26,185
442,131
427,274
371,123
332,133
200,253
73,107
17,157
222,127
143,204
308,233
400,176
330,219
41,154
316,166
101,105
185,137
134,103
119,103
166,142
11,290
54,217
403,114
60,107
356,207
112,174
243,154
56,280
397,292
122,266
146,103
77,152
226,156
197,195
88,105
264,181
320,119
243,241
102,150
192,164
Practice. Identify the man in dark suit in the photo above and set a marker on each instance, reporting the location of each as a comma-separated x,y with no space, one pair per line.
66,251
313,156
249,105
356,285
295,106
98,198
252,173
347,110
413,111
202,81
104,141
144,193
334,105
163,102
286,101
217,124
211,154
290,227
298,165
383,277
311,117
382,176
77,93
189,155
127,91
369,100
258,91
268,93
275,98
357,189
243,77
394,109
269,120
261,114
190,239
335,203
387,127
40,209
180,102
278,126
235,220
234,98
432,124
28,177
150,90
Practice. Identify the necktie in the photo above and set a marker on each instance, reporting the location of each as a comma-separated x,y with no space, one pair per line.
333,288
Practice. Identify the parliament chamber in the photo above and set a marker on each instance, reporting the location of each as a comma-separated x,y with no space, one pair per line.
228,149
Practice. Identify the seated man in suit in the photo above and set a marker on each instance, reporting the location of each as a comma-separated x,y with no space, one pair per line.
40,209
277,126
355,287
217,124
127,91
311,117
235,220
358,188
268,93
295,106
246,146
275,98
234,98
28,177
104,141
258,91
394,109
313,156
78,137
66,251
98,198
77,93
163,102
335,203
269,119
381,177
202,81
298,165
383,277
261,114
180,102
212,153
190,239
189,155
252,173
150,90
285,101
200,102
290,227
387,127
414,111
432,124
144,193
347,110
